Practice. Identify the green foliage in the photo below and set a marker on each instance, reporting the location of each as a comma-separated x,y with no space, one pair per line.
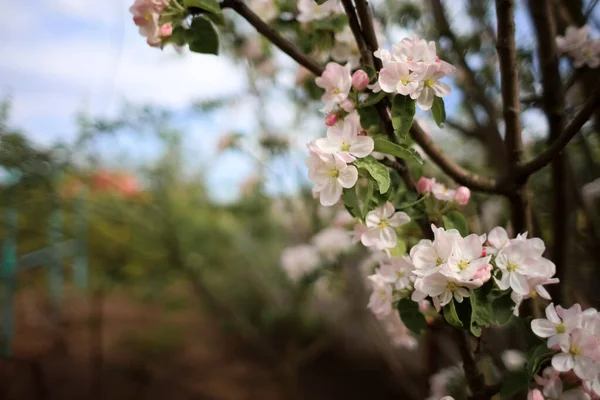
403,112
202,37
399,250
451,315
396,150
411,316
211,6
502,307
438,110
369,119
351,202
481,311
537,357
514,383
455,220
373,99
375,170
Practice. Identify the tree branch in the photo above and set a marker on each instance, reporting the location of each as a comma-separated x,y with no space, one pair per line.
365,54
553,104
509,77
456,172
366,21
584,114
274,37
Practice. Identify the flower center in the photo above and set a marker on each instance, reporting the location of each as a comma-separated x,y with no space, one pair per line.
336,91
383,224
333,173
404,81
463,264
399,274
344,146
451,287
574,350
429,82
438,261
148,16
410,58
533,294
511,267
560,328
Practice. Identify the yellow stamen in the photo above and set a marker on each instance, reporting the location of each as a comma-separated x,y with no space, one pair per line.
333,173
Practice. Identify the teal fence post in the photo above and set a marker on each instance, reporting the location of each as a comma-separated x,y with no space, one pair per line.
81,261
8,273
56,270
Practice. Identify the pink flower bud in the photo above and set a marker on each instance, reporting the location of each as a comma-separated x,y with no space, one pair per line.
424,185
331,119
483,252
535,394
347,105
360,80
462,196
166,30
484,273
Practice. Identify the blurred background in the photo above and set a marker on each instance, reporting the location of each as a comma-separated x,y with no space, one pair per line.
157,212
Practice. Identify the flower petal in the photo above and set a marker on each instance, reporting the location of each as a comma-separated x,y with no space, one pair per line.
543,328
563,362
362,146
348,177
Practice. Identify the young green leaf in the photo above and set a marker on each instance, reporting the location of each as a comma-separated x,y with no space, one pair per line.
455,220
451,316
369,119
399,250
396,150
502,308
438,110
202,37
319,2
212,6
370,71
373,99
411,316
481,311
537,357
403,112
351,202
377,171
513,384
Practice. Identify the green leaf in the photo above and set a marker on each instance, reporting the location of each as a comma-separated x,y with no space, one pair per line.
335,23
202,37
177,37
502,308
411,316
403,112
373,99
378,172
481,311
438,110
514,383
396,150
399,250
370,71
212,6
369,119
537,357
451,316
217,19
455,220
351,202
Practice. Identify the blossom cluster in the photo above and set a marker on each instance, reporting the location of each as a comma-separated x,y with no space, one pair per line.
575,335
441,192
413,69
578,45
146,15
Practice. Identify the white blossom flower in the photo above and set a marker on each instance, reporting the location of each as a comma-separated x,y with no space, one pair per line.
441,192
551,383
428,256
443,288
577,44
536,288
337,82
578,348
430,86
331,242
311,11
345,49
518,261
397,271
395,77
465,258
331,175
556,328
414,52
344,140
381,223
299,261
382,297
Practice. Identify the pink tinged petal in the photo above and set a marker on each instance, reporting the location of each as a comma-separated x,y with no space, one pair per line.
563,362
445,298
348,177
552,315
543,292
331,194
372,220
584,367
425,100
441,89
362,146
370,238
327,145
388,210
388,237
388,80
503,283
555,342
519,283
398,219
543,328
346,157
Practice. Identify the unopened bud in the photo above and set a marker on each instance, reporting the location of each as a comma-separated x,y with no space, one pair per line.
462,196
360,80
166,30
424,185
331,119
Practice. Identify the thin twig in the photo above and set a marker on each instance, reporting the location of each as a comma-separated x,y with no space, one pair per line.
274,37
584,114
365,54
368,29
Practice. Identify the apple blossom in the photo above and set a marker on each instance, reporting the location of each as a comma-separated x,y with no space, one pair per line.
345,48
331,119
265,9
398,333
299,261
331,242
443,288
348,105
360,80
357,232
166,30
397,271
462,195
513,359
430,86
336,81
465,259
441,192
535,394
330,174
577,348
381,223
428,256
518,261
311,11
396,77
382,297
556,328
536,288
343,140
550,381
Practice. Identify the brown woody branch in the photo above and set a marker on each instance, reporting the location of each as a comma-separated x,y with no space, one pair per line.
365,54
274,37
